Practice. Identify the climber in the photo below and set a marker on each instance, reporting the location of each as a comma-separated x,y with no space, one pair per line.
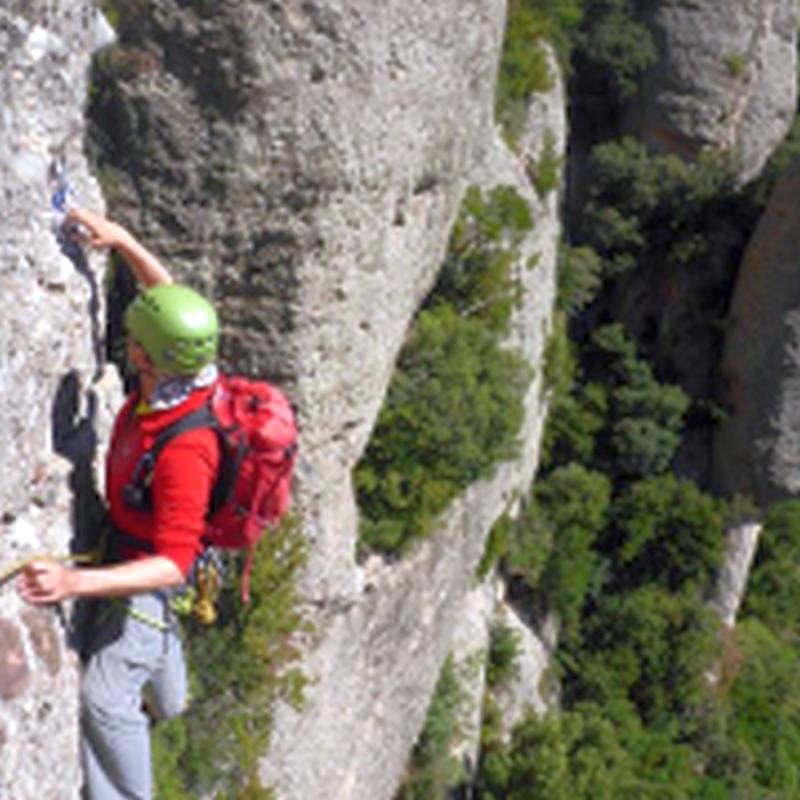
132,644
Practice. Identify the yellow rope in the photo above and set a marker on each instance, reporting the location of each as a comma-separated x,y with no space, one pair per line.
8,572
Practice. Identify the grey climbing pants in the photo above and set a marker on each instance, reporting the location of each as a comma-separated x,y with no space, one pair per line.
126,659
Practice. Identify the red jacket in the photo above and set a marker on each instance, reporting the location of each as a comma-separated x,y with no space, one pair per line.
182,481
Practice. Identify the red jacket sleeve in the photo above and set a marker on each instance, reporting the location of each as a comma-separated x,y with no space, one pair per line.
183,478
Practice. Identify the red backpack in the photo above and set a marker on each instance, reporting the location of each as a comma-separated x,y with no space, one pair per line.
258,446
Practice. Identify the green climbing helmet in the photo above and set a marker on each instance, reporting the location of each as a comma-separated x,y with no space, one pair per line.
176,326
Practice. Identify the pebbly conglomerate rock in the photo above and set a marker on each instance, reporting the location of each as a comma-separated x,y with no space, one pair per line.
303,164
757,447
725,78
52,403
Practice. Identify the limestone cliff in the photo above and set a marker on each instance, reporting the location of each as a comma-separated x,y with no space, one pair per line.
757,450
53,396
725,78
303,165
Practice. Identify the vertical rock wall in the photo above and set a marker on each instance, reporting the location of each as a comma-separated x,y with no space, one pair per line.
757,448
52,403
725,79
383,647
303,164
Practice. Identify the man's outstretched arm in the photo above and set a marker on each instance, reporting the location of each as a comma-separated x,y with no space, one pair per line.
102,233
43,582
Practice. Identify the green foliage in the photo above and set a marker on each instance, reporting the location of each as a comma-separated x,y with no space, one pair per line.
523,63
476,279
523,68
559,358
503,654
239,670
452,413
765,704
577,411
613,50
645,417
588,753
553,544
736,64
545,172
644,207
434,771
573,424
651,647
575,502
579,278
529,547
454,407
773,590
496,546
621,419
668,532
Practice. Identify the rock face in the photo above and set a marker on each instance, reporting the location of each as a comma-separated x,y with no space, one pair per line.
757,449
526,691
741,543
725,79
304,165
52,403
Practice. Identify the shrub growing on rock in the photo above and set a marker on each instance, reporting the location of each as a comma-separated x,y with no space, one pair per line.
454,407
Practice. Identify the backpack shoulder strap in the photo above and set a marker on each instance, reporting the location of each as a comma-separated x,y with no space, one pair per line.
137,492
201,418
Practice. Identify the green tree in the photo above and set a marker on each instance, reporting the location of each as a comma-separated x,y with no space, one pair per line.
453,411
434,772
613,49
668,531
523,63
476,278
502,657
454,407
648,208
765,701
591,752
580,272
645,417
552,547
239,670
773,588
650,647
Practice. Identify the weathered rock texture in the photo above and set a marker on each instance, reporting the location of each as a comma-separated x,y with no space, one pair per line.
303,163
741,543
725,79
399,627
51,408
526,691
757,449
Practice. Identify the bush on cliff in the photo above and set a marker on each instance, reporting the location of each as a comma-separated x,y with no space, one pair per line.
454,407
239,669
523,63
